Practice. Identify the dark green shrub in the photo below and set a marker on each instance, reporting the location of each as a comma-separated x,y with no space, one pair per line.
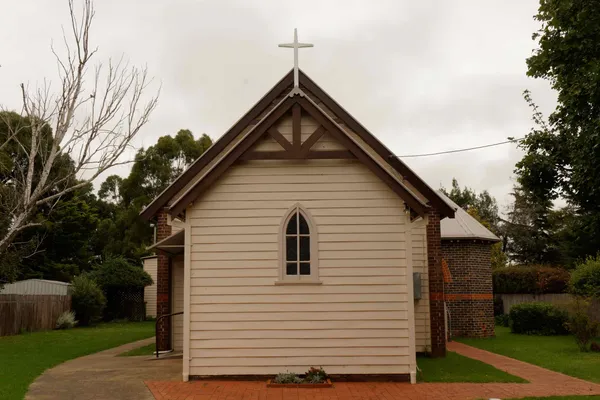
537,319
535,279
514,280
498,306
502,320
87,300
117,273
315,375
581,325
123,286
585,280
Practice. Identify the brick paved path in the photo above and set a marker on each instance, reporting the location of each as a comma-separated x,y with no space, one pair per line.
542,383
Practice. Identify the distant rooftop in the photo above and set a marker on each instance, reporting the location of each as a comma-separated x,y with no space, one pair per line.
463,226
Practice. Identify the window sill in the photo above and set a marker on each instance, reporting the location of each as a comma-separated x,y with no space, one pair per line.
292,282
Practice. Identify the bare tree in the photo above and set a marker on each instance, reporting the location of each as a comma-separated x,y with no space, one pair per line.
97,111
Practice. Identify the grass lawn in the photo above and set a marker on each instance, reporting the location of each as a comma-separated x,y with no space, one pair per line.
24,357
557,353
140,351
457,368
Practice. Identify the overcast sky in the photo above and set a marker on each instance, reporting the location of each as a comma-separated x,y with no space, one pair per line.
422,76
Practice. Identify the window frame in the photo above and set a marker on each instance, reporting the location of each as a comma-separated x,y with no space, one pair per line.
313,278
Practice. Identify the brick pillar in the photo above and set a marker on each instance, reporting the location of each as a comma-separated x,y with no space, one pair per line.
163,284
436,285
468,294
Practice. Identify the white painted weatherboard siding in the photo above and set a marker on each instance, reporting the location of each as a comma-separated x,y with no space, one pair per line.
419,260
150,291
177,302
356,322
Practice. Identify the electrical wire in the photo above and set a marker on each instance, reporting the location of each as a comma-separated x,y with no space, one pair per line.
458,150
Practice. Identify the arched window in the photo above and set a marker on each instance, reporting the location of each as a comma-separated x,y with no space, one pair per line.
299,247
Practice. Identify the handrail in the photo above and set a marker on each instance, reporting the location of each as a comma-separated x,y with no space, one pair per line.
156,329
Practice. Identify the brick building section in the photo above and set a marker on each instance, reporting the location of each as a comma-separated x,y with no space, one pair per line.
469,295
436,286
163,284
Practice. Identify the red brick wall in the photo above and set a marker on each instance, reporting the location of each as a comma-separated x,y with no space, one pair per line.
436,286
469,296
163,284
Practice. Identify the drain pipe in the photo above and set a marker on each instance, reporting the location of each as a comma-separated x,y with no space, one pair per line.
448,323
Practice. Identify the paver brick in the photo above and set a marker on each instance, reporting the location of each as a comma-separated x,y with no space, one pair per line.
542,382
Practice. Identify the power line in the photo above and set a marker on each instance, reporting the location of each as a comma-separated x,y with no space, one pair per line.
459,150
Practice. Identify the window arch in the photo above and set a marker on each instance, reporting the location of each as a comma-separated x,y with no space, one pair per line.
298,246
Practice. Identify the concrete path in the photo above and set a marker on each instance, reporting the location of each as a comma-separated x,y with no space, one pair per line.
542,382
104,376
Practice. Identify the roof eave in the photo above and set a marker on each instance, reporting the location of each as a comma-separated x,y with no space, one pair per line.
485,239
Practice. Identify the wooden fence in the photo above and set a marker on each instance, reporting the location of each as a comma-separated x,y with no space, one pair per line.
510,300
27,313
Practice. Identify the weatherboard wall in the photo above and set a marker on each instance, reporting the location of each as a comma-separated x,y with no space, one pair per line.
355,322
150,291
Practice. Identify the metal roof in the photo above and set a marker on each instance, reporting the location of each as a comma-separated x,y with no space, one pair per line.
36,286
463,226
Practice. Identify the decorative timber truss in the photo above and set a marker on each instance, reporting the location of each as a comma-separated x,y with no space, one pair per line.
297,149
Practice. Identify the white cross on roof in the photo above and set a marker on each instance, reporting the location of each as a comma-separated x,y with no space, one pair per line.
295,45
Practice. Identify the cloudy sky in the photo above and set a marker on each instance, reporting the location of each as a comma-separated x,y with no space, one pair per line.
423,76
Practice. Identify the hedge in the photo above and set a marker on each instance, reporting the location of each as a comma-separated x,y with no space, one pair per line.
536,279
538,319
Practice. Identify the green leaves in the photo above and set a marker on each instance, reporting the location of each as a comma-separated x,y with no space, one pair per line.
562,155
122,232
117,273
568,55
585,280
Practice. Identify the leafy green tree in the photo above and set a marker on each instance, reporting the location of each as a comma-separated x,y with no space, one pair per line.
15,142
109,189
562,155
529,232
118,273
156,167
121,231
65,238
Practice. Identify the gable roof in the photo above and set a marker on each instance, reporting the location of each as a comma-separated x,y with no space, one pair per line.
299,100
280,95
463,226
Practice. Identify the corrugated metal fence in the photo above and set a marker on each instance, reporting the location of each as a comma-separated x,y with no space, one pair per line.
27,313
36,286
561,299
